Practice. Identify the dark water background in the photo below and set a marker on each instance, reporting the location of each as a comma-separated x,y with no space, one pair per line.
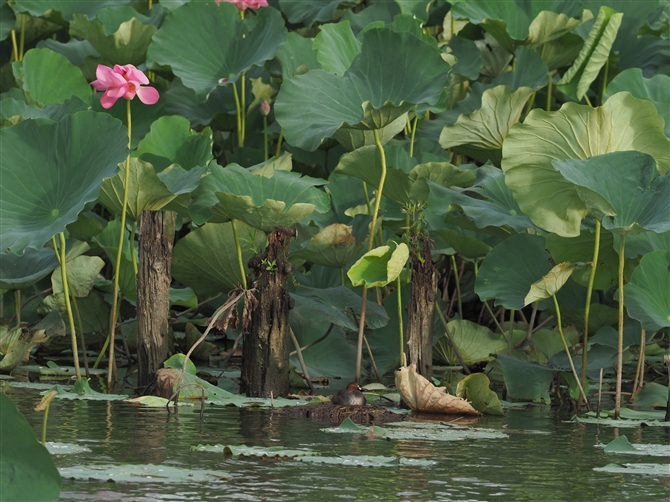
543,459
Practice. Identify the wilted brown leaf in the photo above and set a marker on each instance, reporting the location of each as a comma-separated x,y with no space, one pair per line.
421,395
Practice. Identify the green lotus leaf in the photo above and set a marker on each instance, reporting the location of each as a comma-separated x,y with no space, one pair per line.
146,191
41,68
441,173
334,246
108,240
648,293
297,55
344,300
580,249
641,244
141,473
207,273
81,273
482,132
530,71
336,47
575,132
40,158
498,208
469,57
549,285
593,56
264,203
61,11
510,269
651,395
623,190
655,89
12,107
315,10
515,22
7,20
560,52
218,108
76,51
475,388
371,94
126,45
353,138
172,141
475,343
460,242
526,380
380,266
24,270
226,45
28,471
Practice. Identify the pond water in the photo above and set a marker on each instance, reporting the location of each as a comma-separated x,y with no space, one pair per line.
542,459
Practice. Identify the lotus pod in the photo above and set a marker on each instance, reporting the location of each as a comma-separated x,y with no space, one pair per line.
421,395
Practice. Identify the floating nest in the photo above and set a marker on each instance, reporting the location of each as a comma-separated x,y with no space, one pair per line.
328,412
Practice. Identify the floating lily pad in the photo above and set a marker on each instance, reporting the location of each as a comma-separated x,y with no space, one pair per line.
368,461
154,402
142,473
82,390
420,431
622,445
277,452
646,469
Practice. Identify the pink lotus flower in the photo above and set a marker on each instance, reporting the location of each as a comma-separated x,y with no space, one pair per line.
123,82
246,4
265,108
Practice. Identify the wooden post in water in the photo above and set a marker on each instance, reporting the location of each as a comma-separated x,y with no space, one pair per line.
153,292
265,353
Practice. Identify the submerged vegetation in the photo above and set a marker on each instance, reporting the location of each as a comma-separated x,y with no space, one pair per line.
475,194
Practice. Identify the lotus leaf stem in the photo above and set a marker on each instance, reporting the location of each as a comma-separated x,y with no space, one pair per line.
605,75
458,286
302,360
132,248
279,142
619,363
639,372
372,359
15,47
549,87
567,352
17,306
342,276
510,342
23,37
119,252
238,248
531,102
265,138
68,306
238,116
466,370
587,309
244,105
588,101
600,392
411,145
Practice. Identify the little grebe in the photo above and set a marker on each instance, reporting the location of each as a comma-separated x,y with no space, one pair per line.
351,396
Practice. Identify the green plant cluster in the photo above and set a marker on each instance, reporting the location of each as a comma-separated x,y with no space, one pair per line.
528,140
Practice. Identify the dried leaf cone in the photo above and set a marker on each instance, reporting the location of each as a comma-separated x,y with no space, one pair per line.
421,395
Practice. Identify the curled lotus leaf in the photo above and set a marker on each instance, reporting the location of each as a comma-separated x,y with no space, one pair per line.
421,395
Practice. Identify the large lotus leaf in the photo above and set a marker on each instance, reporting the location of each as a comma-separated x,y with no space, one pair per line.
64,10
469,57
344,300
648,293
655,89
379,266
580,249
530,71
108,240
560,52
11,108
127,45
371,94
365,163
297,55
514,22
41,69
146,191
623,190
442,173
28,471
646,242
575,132
40,160
526,380
353,138
549,285
218,108
314,10
196,265
482,132
498,209
475,343
334,246
458,241
7,20
24,270
172,141
510,269
337,47
264,203
81,273
593,56
76,51
226,45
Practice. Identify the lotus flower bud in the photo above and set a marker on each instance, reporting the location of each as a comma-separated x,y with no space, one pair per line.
265,108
